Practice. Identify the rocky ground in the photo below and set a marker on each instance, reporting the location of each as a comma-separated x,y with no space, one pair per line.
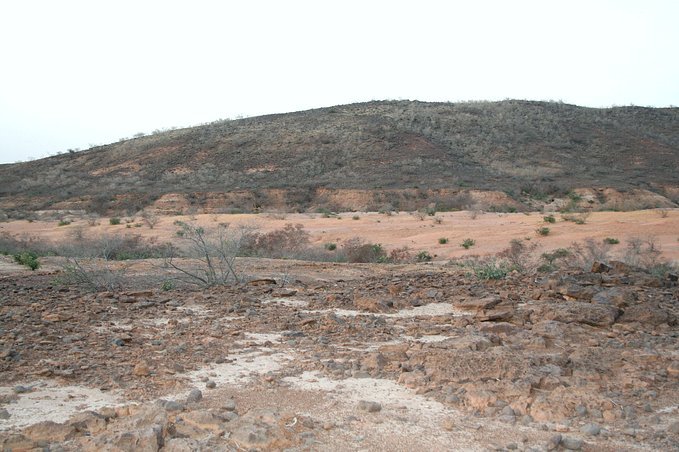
343,357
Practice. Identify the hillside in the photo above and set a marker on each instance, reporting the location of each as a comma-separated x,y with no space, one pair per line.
401,152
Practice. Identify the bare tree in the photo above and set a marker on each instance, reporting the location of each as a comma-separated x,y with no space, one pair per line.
213,250
150,218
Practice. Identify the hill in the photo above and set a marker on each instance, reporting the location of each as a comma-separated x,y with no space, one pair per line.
402,153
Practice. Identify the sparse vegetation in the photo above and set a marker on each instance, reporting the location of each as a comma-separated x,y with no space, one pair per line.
213,253
331,246
443,240
549,219
28,259
357,251
579,218
544,230
334,153
64,223
114,221
611,241
467,243
423,256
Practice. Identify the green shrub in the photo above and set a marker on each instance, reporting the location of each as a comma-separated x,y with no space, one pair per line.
64,223
491,270
443,240
467,243
423,256
542,231
355,217
114,221
28,259
611,241
357,251
331,246
167,285
580,218
549,219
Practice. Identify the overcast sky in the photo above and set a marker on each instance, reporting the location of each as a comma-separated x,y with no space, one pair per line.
78,73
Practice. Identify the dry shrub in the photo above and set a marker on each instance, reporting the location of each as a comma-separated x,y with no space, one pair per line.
288,242
520,256
401,255
356,250
584,254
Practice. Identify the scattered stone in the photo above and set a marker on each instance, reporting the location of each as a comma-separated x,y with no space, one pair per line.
370,407
210,384
141,369
600,267
195,396
4,414
590,429
673,428
553,442
19,389
571,443
229,405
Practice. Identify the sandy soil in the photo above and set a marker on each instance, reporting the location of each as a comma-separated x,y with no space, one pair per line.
492,232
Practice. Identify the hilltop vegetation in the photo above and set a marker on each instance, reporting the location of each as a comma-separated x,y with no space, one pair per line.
534,149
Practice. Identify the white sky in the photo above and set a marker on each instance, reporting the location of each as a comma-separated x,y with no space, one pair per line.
75,73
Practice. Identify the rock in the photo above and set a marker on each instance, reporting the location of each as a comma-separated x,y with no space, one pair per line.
480,399
570,443
600,267
50,432
553,442
618,296
479,304
195,395
647,313
590,429
673,369
181,445
370,304
89,423
374,361
229,405
172,405
21,389
673,428
370,407
141,369
203,420
146,440
495,315
210,384
578,312
4,414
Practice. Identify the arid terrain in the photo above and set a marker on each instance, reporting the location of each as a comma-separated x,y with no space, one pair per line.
390,275
338,356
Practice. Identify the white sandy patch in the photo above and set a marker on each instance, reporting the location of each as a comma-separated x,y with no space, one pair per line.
261,338
242,369
427,339
429,310
291,302
386,392
195,309
50,402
